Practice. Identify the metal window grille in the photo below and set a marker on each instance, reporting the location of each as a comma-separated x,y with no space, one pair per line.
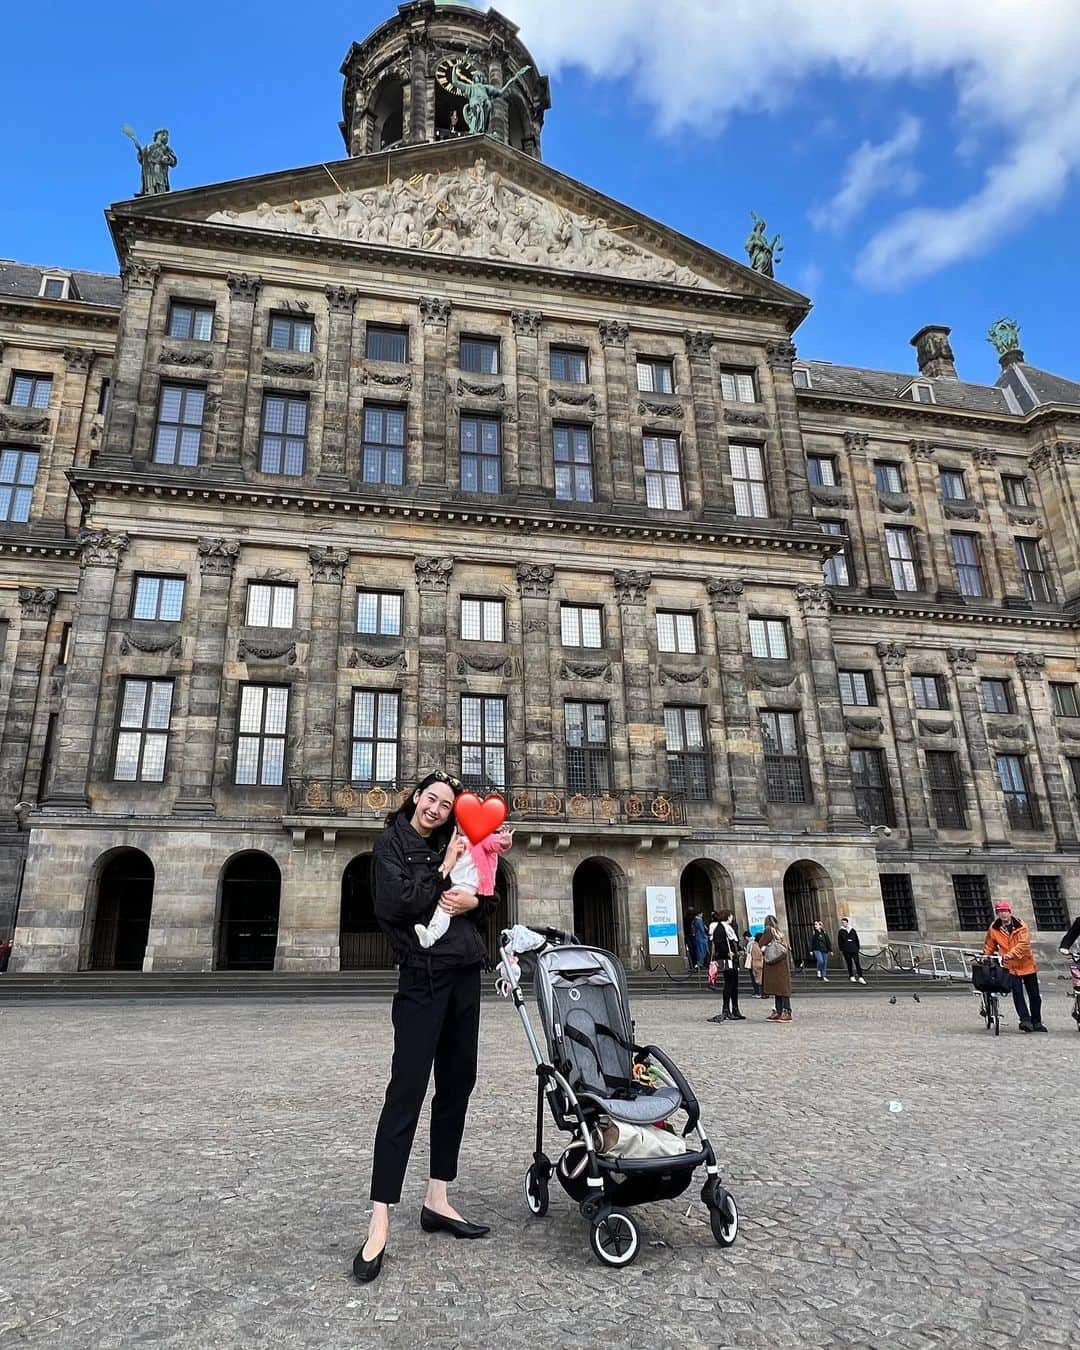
898,902
378,613
786,779
687,753
1048,904
158,598
481,454
18,475
375,736
383,452
588,751
178,435
142,739
974,912
260,741
483,741
946,790
573,463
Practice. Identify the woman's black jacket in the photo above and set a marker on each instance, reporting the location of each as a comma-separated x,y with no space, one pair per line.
406,884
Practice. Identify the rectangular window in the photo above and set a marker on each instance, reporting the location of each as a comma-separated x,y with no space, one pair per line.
748,480
946,789
481,454
929,692
158,598
1066,701
1036,583
378,613
888,476
283,439
768,639
480,356
922,393
65,644
143,737
570,365
902,563
103,397
1015,489
1074,775
663,479
291,333
997,696
387,344
482,621
687,753
835,570
873,796
800,377
965,551
375,722
483,741
384,445
1020,805
785,772
821,470
675,632
30,390
270,605
18,474
655,376
952,485
588,751
898,902
582,625
178,434
573,463
260,740
193,323
737,386
974,912
54,288
857,688
1048,904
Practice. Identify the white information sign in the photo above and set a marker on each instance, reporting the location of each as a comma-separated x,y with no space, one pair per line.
663,920
759,905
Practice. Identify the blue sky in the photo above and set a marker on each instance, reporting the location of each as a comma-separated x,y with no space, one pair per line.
919,160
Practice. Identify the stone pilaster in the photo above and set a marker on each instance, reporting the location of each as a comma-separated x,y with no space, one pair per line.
631,591
527,368
614,335
416,89
781,357
1057,471
988,799
879,580
118,442
100,556
327,576
243,293
938,558
217,558
912,785
1000,544
745,759
77,364
815,603
433,583
37,604
534,586
711,444
434,315
337,363
1036,696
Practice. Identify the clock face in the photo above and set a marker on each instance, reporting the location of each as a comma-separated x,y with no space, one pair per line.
451,66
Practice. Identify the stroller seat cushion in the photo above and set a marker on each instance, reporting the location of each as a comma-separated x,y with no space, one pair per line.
644,1110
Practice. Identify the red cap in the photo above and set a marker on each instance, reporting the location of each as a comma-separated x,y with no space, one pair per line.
1003,906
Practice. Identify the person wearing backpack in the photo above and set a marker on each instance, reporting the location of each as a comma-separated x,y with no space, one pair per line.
776,969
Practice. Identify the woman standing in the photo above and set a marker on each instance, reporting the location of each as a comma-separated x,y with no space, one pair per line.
436,1010
776,975
821,946
754,964
726,954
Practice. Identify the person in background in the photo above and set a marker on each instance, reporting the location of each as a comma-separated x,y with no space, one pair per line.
821,946
848,941
726,954
1068,942
754,963
699,939
1008,937
5,954
776,975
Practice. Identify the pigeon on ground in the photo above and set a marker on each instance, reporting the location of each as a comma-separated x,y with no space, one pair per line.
916,998
893,999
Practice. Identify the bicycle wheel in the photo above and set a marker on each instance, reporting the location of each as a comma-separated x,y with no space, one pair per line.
996,1015
984,1010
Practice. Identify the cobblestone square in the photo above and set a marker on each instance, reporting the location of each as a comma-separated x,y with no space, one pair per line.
195,1173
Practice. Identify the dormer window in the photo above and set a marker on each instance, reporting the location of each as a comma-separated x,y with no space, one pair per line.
800,377
55,288
922,393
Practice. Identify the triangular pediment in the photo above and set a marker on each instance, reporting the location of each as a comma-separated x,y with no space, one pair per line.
473,198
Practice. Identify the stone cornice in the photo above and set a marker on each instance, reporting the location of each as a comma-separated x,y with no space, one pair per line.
934,413
937,613
54,312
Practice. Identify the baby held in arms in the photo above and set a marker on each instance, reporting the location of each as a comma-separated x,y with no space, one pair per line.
474,871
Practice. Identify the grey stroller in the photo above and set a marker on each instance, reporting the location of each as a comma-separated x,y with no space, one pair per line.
591,1076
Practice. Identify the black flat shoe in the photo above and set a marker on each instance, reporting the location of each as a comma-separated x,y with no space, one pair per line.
738,1017
366,1271
431,1222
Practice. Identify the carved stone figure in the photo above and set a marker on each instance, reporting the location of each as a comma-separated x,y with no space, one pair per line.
155,160
764,254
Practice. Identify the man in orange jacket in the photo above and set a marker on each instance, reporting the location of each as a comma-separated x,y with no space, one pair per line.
1008,937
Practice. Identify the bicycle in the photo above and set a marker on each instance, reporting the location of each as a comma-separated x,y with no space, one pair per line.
1074,974
990,979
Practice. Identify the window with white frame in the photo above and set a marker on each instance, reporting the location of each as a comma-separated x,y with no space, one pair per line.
260,740
922,393
142,738
748,480
481,620
54,288
768,639
655,375
582,625
375,729
157,597
800,377
270,605
675,631
378,613
737,386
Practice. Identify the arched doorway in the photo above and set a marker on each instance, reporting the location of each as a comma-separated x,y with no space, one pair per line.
363,945
596,911
248,922
125,894
389,114
705,886
807,897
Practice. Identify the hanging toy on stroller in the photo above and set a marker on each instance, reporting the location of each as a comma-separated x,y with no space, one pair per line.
615,1099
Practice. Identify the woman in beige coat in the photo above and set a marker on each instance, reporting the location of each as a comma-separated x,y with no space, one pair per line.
776,975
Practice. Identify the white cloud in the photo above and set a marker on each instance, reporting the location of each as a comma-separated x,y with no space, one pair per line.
1013,68
871,171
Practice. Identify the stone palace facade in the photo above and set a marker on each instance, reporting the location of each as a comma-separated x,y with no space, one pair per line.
433,456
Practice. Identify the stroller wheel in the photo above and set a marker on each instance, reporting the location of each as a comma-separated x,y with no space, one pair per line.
725,1221
615,1238
536,1193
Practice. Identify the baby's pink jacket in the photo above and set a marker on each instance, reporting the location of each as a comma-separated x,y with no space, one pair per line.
485,855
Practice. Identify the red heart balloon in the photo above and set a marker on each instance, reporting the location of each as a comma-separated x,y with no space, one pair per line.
479,818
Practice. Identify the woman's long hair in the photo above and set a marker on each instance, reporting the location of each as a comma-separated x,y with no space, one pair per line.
437,839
